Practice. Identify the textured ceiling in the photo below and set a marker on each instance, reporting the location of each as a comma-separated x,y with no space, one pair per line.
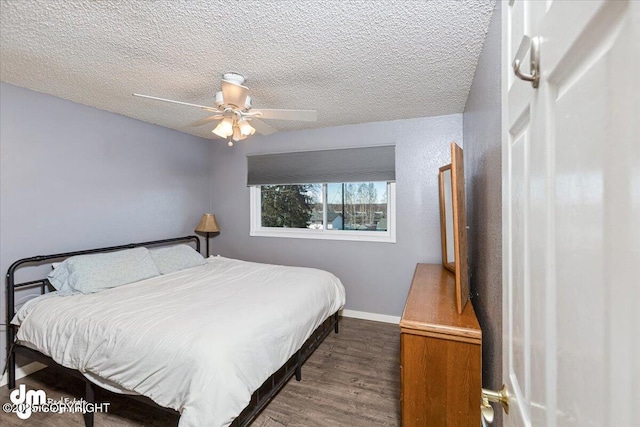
353,61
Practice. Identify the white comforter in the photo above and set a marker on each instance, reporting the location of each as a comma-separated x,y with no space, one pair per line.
200,341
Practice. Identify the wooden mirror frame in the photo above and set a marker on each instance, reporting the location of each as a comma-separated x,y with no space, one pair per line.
459,266
459,227
447,243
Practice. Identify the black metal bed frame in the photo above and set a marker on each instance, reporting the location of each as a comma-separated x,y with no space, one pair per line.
260,397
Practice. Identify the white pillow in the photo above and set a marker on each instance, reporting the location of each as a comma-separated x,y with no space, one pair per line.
96,272
175,258
59,278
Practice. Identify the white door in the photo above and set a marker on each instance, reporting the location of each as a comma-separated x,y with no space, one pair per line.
571,215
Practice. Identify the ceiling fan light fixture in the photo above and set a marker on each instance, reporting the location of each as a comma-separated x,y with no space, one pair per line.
233,110
224,128
245,128
237,135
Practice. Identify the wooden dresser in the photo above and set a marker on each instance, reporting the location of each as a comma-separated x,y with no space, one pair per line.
440,354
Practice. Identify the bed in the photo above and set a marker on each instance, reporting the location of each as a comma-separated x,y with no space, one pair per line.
214,342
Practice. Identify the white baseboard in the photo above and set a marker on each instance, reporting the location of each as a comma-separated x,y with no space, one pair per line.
23,371
371,316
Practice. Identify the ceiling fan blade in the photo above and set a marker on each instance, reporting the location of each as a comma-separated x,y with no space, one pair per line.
261,127
234,94
206,120
204,107
299,115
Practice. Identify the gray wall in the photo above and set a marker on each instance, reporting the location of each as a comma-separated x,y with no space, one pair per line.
376,275
74,177
483,173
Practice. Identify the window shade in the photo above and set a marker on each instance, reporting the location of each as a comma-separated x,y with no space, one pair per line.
363,164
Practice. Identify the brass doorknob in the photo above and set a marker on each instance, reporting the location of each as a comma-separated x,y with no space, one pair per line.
501,397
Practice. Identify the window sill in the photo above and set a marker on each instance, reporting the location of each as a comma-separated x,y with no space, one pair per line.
355,236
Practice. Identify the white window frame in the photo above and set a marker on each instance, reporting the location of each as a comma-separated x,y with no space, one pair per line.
256,228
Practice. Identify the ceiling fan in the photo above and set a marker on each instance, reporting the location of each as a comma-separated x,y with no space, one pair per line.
233,109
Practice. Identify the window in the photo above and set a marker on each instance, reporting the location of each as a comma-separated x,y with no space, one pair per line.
341,211
340,194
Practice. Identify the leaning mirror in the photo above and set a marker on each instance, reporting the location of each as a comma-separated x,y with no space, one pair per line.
453,224
446,218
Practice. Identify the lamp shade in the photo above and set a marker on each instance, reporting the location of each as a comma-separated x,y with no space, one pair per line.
208,224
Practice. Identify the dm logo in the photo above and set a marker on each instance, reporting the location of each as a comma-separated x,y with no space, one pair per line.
25,400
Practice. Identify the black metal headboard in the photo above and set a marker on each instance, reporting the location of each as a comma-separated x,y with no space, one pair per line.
44,283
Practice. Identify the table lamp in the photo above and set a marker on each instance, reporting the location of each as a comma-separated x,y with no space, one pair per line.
207,225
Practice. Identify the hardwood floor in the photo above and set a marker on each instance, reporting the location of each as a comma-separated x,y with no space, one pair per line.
352,379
